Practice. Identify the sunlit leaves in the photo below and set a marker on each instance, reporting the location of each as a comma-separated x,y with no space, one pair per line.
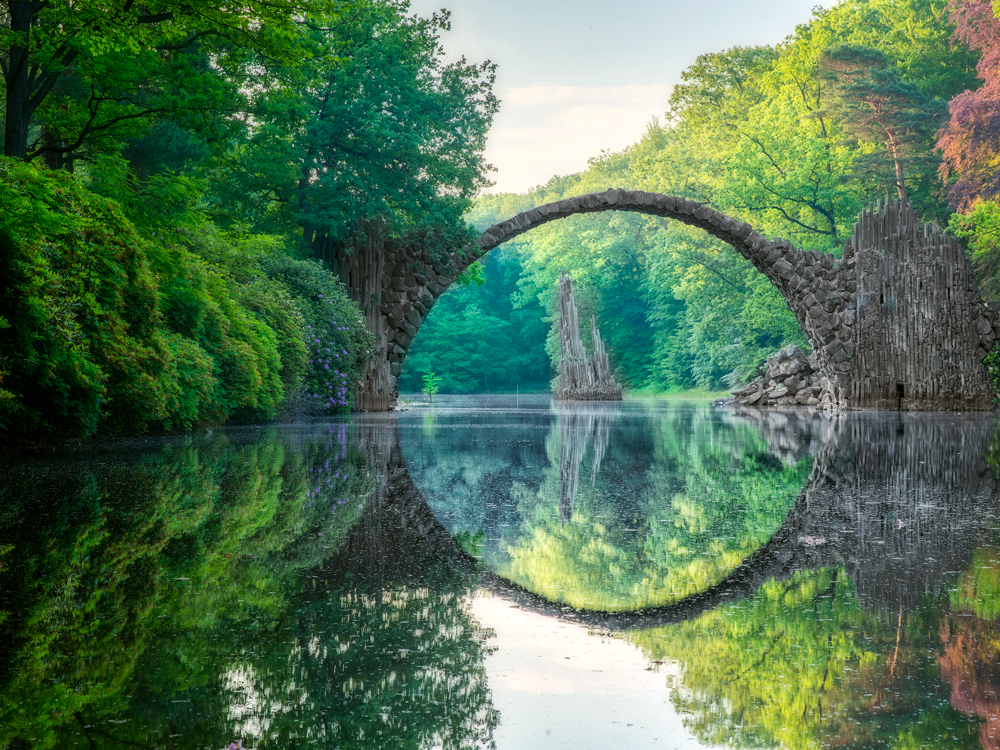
93,73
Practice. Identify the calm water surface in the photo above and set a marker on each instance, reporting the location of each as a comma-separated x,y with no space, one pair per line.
507,572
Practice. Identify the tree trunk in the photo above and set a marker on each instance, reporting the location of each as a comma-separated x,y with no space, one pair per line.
53,159
17,114
900,179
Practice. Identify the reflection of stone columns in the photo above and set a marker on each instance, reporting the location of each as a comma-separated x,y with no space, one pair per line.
919,491
578,426
790,434
398,534
899,501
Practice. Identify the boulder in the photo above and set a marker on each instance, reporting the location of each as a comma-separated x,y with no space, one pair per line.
787,377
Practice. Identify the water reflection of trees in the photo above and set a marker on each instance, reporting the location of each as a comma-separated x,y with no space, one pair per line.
675,498
850,641
850,625
179,597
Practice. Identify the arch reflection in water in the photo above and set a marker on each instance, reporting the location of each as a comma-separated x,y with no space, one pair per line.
867,619
609,507
899,501
185,589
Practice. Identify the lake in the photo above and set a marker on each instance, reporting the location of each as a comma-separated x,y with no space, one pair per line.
505,571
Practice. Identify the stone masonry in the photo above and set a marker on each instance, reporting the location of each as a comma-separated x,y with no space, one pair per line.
896,323
790,378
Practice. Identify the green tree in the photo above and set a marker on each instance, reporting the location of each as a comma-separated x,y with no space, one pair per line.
430,384
372,128
88,74
876,104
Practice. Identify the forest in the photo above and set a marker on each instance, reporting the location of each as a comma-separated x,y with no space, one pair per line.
172,174
183,185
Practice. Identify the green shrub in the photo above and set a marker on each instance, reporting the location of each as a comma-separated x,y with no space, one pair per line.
197,397
102,329
202,303
84,344
339,341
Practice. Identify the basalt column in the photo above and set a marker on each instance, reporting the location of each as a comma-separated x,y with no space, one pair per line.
581,378
363,271
921,328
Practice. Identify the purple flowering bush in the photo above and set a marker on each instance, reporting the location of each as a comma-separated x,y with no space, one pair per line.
337,338
338,484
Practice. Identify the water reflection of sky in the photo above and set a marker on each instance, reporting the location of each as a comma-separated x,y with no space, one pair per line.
557,685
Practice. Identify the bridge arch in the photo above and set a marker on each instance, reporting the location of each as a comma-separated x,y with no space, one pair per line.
934,314
415,283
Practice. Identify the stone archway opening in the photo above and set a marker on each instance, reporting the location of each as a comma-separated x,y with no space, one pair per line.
895,323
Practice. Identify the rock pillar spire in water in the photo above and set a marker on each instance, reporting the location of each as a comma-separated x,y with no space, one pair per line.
581,378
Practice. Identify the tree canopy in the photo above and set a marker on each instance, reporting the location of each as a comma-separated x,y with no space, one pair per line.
202,153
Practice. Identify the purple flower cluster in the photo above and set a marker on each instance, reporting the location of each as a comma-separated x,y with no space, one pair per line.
327,482
326,363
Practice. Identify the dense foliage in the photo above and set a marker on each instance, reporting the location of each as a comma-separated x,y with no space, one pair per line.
196,154
145,597
970,141
479,340
107,329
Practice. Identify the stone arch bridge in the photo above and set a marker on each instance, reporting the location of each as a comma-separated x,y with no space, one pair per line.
895,323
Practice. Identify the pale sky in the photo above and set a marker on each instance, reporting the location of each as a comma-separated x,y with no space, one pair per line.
578,77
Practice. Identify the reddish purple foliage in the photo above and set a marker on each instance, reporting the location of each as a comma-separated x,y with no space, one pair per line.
979,28
970,142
